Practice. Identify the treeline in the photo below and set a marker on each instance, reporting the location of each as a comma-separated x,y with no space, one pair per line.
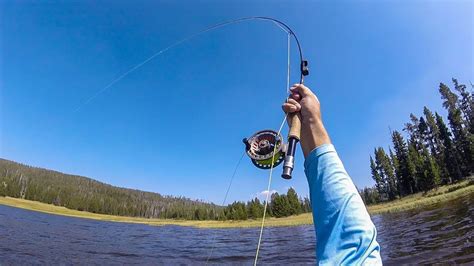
85,194
279,206
430,153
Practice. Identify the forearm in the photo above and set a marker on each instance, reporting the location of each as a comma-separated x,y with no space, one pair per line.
344,230
313,134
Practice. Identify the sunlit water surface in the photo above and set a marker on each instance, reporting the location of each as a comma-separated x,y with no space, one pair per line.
441,233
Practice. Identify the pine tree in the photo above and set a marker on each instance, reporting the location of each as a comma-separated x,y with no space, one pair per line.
369,195
412,128
416,162
379,184
293,201
397,169
436,145
428,175
424,133
269,208
431,173
405,175
461,140
386,170
432,134
254,209
280,205
306,205
450,153
416,130
466,105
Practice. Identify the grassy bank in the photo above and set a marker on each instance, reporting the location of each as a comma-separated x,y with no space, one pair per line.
51,209
419,200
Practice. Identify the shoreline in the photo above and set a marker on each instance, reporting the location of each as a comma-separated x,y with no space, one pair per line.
415,201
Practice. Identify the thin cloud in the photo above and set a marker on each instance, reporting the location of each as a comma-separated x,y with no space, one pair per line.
263,194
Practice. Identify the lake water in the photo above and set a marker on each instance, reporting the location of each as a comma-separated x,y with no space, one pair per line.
441,233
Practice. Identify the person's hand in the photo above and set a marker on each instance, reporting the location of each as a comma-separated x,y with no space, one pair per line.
313,133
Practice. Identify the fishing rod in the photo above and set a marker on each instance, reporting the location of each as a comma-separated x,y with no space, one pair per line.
266,148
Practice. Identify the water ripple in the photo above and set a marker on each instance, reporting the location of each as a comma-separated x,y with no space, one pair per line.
443,233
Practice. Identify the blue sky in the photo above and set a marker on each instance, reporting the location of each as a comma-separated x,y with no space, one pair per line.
175,125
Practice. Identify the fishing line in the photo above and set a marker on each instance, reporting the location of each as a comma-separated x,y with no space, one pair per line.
224,201
274,151
266,200
272,163
280,24
293,136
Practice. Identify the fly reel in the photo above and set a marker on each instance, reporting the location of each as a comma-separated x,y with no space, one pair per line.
265,148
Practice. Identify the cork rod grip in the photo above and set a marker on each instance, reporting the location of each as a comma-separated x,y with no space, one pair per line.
295,126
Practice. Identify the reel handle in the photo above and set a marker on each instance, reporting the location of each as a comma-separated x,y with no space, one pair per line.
293,137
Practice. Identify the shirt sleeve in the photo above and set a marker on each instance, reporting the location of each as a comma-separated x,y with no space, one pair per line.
345,233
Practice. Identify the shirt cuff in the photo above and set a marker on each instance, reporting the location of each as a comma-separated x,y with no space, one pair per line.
318,151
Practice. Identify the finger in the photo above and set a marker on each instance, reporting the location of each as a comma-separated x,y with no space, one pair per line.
301,89
295,103
289,108
295,96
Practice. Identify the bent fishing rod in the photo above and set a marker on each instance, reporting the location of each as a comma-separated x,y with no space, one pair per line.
266,148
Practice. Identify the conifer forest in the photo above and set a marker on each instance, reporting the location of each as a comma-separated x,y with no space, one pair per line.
428,151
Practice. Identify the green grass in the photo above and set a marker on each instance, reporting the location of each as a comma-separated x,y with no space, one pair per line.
420,200
425,199
51,209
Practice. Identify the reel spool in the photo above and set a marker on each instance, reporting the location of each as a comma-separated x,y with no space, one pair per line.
264,147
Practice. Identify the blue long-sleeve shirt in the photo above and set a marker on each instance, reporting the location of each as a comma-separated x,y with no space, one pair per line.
345,233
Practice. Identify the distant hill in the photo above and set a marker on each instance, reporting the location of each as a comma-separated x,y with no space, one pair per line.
86,194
